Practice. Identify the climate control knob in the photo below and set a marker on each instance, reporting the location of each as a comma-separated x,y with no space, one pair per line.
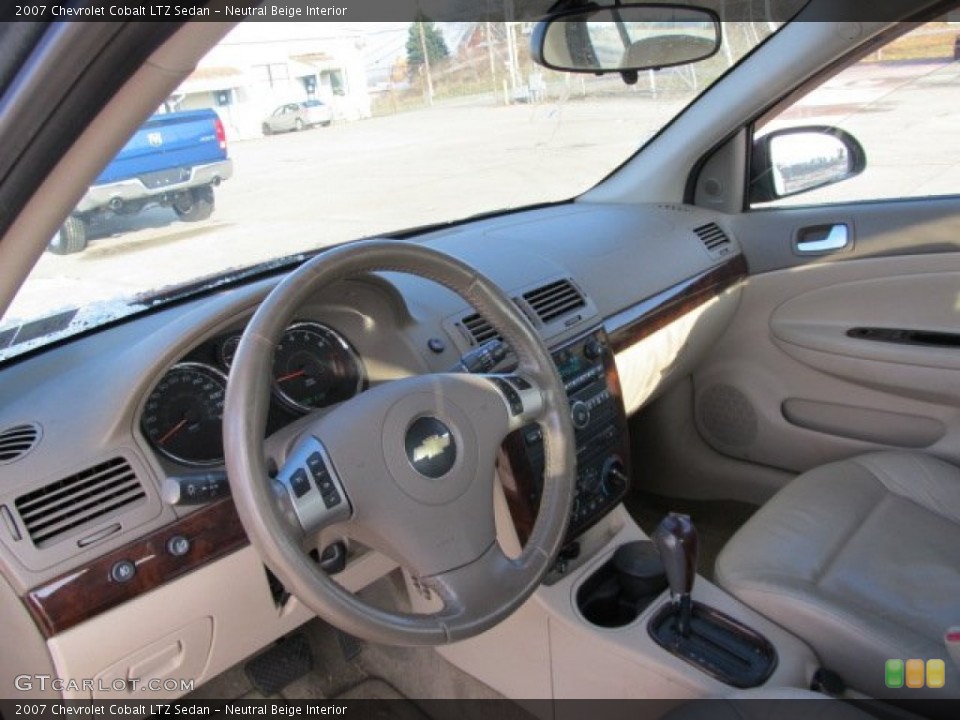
614,477
580,415
593,349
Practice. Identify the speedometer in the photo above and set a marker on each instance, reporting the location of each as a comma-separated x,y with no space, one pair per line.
314,366
183,416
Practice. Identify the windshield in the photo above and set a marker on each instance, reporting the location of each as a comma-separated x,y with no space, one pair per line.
418,124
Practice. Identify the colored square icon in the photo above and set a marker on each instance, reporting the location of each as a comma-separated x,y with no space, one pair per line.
936,673
894,673
914,674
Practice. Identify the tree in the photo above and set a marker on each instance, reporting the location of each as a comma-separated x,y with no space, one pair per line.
432,38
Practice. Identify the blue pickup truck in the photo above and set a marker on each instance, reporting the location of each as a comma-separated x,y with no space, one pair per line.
174,159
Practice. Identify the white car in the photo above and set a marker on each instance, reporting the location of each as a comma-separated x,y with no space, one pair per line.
297,116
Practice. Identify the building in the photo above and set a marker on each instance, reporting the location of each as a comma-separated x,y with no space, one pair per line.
245,77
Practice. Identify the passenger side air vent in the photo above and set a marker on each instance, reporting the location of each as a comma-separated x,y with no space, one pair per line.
714,239
17,441
479,329
67,506
554,300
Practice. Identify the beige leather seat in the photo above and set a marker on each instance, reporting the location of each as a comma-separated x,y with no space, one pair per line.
860,558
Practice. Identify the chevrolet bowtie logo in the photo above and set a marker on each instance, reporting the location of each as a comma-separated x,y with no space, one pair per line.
431,447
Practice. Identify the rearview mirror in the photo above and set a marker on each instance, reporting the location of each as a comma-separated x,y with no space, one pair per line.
625,38
797,160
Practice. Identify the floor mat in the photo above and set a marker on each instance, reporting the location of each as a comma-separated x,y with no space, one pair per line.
716,520
372,689
400,708
280,664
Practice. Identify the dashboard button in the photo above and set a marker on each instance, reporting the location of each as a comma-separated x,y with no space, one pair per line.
123,571
178,546
592,349
580,415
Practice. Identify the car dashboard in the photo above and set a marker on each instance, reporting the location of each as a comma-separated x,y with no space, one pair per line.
625,297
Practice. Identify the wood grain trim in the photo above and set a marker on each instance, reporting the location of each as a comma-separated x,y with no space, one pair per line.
76,596
632,325
519,484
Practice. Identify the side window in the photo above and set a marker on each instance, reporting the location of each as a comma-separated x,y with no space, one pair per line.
902,103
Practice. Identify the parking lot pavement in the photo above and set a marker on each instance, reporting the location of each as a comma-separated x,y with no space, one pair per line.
300,191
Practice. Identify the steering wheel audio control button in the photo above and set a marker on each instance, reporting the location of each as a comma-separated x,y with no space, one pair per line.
509,392
312,509
520,382
299,482
331,499
317,468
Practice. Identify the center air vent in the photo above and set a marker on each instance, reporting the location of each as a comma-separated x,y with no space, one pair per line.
479,329
554,300
714,239
69,505
17,441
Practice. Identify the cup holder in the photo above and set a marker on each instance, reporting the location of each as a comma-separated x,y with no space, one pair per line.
623,587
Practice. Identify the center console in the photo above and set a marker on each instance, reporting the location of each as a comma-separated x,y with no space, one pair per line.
586,366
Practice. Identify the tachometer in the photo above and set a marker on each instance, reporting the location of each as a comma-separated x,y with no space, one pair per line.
183,417
314,366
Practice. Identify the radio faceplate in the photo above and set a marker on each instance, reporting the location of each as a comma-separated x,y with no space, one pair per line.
586,366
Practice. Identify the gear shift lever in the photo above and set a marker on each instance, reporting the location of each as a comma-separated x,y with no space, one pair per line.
676,541
703,636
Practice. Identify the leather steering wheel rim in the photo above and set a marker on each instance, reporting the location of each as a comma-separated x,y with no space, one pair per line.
486,586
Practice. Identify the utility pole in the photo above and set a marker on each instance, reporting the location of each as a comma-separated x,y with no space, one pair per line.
513,59
493,64
510,15
426,65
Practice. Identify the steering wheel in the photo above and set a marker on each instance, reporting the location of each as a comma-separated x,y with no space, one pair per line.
407,467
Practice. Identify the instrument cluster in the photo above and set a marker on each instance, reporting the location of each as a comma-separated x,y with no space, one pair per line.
314,367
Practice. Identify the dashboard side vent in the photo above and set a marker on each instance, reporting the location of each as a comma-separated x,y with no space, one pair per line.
479,329
714,239
17,441
554,300
69,505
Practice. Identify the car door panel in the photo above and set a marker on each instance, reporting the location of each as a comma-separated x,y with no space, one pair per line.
789,387
877,229
873,323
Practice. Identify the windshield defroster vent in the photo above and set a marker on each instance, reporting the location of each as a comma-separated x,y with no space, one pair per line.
69,505
554,300
17,441
714,239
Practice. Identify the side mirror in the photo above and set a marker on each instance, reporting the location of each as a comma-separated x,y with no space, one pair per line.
625,38
797,160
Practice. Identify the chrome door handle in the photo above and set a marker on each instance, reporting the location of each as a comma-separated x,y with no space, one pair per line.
822,239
